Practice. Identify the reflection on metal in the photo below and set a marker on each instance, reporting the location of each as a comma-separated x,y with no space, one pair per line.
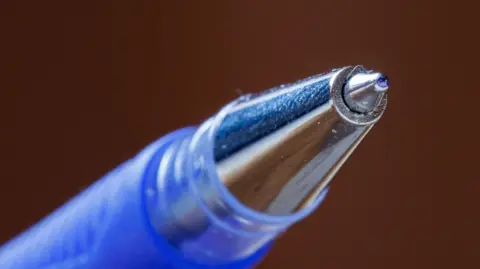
277,151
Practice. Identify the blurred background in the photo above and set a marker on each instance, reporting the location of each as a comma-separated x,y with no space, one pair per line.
84,85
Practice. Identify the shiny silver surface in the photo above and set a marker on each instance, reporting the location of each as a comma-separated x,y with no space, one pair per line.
286,168
363,92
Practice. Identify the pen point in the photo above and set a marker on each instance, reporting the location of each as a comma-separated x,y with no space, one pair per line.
363,91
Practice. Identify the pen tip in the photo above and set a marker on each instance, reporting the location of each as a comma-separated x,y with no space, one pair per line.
363,91
383,82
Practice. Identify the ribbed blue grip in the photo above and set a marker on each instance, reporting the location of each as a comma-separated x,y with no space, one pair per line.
106,227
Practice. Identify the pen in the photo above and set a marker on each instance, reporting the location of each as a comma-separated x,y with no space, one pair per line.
216,195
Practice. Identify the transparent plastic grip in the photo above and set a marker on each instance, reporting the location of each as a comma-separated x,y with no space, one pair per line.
108,227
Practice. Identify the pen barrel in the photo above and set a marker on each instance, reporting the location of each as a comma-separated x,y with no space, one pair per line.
107,226
196,198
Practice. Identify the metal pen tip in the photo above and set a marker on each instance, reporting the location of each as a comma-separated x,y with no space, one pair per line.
277,151
364,91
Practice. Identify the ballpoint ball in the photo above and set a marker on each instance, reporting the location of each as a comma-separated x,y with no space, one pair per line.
382,81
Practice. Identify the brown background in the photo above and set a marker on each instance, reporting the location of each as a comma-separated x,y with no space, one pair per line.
84,85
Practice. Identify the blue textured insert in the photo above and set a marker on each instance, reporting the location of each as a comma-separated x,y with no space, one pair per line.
243,127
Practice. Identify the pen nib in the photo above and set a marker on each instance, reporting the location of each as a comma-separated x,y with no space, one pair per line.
364,91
